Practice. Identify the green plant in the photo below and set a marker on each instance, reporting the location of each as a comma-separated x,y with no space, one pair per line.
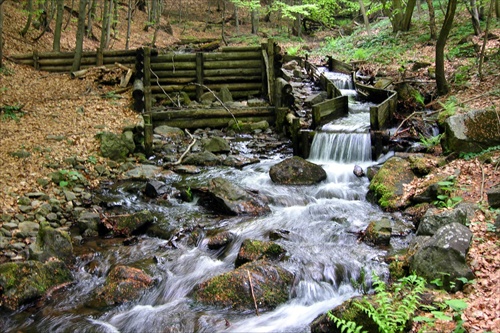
446,189
470,156
393,310
69,178
448,109
11,112
111,95
92,159
430,142
360,283
293,50
456,306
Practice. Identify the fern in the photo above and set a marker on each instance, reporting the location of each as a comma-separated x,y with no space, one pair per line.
393,310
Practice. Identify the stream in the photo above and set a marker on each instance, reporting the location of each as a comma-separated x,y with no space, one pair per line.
320,225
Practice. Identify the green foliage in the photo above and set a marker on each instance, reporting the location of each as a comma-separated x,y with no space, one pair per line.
69,178
449,109
393,309
291,11
326,11
111,95
470,156
430,142
446,189
360,283
293,50
456,306
92,159
250,4
6,71
11,112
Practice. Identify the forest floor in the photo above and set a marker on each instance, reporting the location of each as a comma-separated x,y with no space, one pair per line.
76,110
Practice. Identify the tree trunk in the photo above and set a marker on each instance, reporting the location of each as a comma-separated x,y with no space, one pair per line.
28,21
365,17
91,18
474,15
79,36
405,26
56,46
236,20
1,28
397,15
255,21
105,26
129,23
432,20
483,48
497,9
442,85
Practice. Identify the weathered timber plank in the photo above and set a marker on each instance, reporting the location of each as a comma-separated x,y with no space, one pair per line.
234,64
213,113
252,55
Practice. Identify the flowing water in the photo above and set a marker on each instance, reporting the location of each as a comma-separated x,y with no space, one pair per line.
320,224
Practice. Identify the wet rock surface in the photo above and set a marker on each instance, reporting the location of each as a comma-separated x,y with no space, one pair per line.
297,171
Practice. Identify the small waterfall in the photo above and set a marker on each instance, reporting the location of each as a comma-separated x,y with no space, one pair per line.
341,81
341,147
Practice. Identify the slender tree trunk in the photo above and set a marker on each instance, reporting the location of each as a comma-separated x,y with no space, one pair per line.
56,46
483,48
105,26
28,21
365,17
1,29
129,23
236,20
442,85
432,20
91,18
410,6
397,15
255,21
497,9
79,36
474,15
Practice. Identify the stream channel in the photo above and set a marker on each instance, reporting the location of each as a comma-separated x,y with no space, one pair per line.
322,223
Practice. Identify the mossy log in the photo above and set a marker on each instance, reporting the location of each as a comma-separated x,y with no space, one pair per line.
233,64
172,57
232,72
213,113
173,66
218,56
210,122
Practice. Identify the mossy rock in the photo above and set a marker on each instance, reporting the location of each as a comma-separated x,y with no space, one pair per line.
127,225
379,232
21,283
297,171
387,186
347,311
270,284
252,250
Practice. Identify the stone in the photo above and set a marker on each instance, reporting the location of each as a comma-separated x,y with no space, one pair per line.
204,158
216,145
88,220
313,99
494,196
127,225
22,282
155,188
123,284
144,171
387,186
225,95
115,147
220,240
435,219
297,171
69,195
253,250
471,132
379,232
443,256
168,132
358,171
271,285
27,229
52,243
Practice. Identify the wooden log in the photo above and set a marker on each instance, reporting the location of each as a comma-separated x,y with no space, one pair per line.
173,66
241,48
210,122
176,74
234,64
174,80
200,61
29,61
173,57
65,61
214,113
79,73
329,110
232,79
186,41
218,56
162,96
56,69
124,60
236,86
119,53
138,90
232,72
246,93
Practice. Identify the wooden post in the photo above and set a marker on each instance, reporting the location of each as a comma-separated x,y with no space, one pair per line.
36,64
270,60
304,144
199,76
148,121
99,57
295,136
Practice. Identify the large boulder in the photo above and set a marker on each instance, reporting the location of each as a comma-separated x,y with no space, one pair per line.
128,224
216,145
297,171
265,283
387,186
494,196
116,147
24,282
204,158
225,197
443,255
435,219
378,232
123,284
52,243
472,132
170,133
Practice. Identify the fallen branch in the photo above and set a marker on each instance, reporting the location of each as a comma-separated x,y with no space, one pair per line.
253,295
159,85
179,161
408,118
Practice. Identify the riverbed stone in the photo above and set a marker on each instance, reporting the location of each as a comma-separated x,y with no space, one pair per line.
471,132
129,224
22,282
225,197
204,158
27,229
379,232
170,133
443,256
123,284
144,171
88,220
216,145
155,188
253,250
387,186
220,240
494,196
435,219
115,147
270,284
297,171
52,243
